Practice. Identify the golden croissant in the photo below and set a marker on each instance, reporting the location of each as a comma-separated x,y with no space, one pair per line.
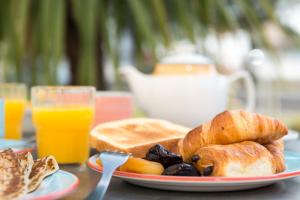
231,127
239,159
276,148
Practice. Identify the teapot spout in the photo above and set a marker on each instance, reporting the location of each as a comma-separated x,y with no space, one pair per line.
132,76
129,72
138,83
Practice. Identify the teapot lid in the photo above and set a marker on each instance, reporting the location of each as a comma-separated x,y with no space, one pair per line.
185,58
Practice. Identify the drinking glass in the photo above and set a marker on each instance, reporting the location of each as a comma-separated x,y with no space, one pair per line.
63,117
14,96
112,105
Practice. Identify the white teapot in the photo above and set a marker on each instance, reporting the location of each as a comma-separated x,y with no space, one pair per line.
185,99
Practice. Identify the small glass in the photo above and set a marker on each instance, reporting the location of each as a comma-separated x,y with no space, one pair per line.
112,105
63,117
14,95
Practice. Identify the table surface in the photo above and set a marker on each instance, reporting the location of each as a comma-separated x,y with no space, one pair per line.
118,189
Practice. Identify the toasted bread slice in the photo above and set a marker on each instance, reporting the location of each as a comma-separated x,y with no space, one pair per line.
136,135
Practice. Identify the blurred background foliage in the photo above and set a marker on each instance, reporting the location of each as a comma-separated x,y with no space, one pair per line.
38,36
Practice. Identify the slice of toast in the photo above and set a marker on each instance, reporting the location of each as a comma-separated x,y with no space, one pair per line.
136,135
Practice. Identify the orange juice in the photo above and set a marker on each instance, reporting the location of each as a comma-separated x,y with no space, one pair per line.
14,113
63,132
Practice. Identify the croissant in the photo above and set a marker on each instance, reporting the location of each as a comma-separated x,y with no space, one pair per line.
240,159
276,148
230,127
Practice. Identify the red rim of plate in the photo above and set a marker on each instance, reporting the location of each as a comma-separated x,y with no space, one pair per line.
25,150
282,175
62,193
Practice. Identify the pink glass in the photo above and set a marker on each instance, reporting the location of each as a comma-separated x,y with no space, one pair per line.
112,106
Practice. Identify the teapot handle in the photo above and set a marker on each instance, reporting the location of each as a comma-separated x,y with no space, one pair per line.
249,86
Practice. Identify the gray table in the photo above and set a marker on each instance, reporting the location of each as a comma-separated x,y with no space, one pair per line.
118,189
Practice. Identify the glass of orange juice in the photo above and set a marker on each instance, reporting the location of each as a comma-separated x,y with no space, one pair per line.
14,95
63,117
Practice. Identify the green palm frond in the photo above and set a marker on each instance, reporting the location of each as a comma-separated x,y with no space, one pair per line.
15,34
184,18
85,14
160,16
33,33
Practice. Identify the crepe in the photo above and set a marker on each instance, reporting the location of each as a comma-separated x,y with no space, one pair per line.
20,174
13,183
26,163
41,169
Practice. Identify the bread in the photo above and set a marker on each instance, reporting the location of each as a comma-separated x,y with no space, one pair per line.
136,135
240,159
20,174
41,168
12,178
26,162
276,148
231,127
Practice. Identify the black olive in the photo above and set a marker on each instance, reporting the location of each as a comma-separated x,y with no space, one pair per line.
208,170
159,154
182,169
195,158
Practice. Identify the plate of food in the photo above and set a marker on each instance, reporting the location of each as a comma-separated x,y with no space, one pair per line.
237,150
22,177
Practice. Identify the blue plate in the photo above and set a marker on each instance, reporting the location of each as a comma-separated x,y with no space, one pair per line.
54,186
16,145
292,161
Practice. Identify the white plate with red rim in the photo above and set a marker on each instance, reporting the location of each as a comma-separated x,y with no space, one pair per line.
206,184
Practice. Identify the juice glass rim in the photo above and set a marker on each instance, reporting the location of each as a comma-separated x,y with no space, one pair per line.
11,90
12,85
63,87
62,90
